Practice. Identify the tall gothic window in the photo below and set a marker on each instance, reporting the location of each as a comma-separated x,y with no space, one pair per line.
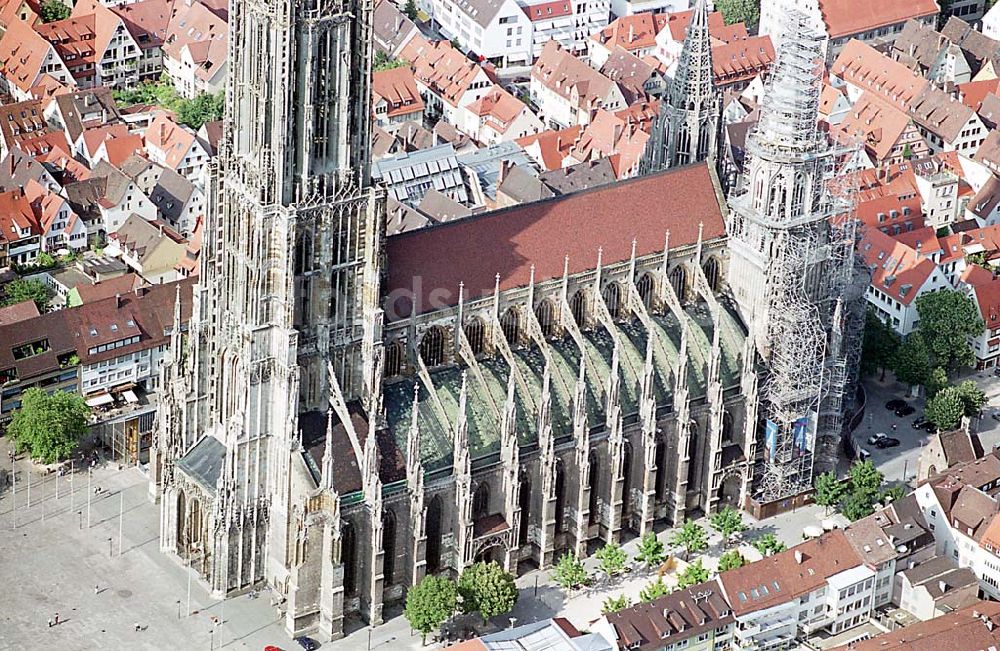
613,299
660,487
579,306
525,503
693,446
481,501
626,480
432,346
727,427
595,485
560,498
510,323
433,529
388,546
475,333
678,280
393,358
545,312
645,288
711,269
349,557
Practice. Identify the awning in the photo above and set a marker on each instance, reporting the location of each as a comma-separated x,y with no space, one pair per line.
97,401
123,387
130,396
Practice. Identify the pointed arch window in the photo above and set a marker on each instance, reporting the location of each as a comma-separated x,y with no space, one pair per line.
393,359
481,501
475,334
432,346
545,313
349,558
613,300
711,270
580,307
646,288
388,546
678,280
510,323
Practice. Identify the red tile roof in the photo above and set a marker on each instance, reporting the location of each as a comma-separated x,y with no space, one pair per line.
22,53
878,124
399,90
548,10
897,270
973,627
741,60
973,93
847,17
441,68
552,146
678,22
508,242
632,32
863,66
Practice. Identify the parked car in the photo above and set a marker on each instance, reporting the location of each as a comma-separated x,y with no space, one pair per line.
929,427
875,438
894,404
863,454
886,442
905,410
919,422
307,643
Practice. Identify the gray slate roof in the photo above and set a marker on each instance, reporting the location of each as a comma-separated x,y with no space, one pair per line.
203,462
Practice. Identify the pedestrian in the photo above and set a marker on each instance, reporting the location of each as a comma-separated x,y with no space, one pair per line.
97,590
50,622
57,619
137,627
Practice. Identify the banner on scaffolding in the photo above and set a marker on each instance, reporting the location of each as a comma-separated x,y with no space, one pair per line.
771,437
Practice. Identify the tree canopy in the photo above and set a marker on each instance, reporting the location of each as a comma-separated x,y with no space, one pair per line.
53,10
740,11
865,491
731,560
692,575
20,290
430,603
880,344
651,550
570,572
945,409
193,113
49,427
947,319
912,360
727,522
691,536
654,590
829,490
614,604
487,589
612,558
768,544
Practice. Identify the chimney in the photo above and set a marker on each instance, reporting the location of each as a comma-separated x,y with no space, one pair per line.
799,557
631,33
118,300
942,586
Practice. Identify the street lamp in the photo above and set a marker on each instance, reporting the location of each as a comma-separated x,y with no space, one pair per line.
80,518
178,609
109,546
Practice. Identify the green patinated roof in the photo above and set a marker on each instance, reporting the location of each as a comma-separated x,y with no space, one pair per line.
487,393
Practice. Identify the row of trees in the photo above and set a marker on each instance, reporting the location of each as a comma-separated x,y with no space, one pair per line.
859,495
483,588
195,112
932,354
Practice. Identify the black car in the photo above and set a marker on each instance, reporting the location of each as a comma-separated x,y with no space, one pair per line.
894,404
919,422
887,442
905,410
307,643
929,427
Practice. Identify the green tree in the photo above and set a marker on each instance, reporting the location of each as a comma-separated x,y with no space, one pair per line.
429,604
693,574
654,590
945,409
612,558
947,319
857,505
410,9
53,10
907,152
829,490
569,572
866,478
20,290
880,344
45,260
651,550
47,426
892,494
727,522
740,11
937,381
487,589
384,62
769,545
980,258
912,361
972,397
203,108
731,560
614,604
691,536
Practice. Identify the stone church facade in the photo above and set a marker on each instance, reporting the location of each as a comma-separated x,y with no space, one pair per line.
345,414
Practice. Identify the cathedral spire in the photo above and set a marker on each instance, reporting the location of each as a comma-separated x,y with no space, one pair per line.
685,130
326,480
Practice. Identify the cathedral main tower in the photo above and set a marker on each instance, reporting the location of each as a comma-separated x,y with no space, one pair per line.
286,316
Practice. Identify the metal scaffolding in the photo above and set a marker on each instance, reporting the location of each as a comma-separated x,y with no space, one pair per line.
794,225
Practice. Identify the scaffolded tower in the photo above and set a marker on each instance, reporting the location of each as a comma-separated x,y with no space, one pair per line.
685,130
793,274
